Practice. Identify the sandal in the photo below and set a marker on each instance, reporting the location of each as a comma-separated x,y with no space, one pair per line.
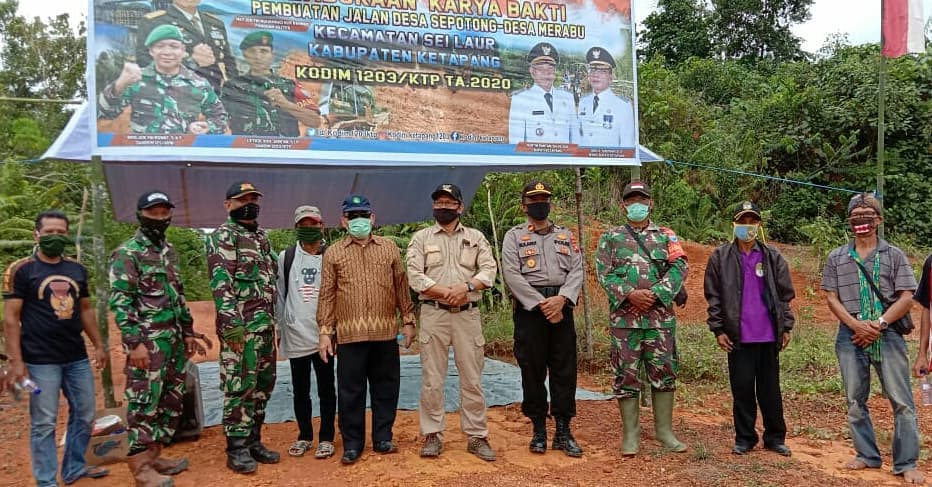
91,472
325,449
299,448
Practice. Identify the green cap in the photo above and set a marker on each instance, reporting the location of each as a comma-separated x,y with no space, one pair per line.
163,32
257,38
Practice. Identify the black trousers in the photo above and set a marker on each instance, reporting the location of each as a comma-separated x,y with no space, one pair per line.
303,404
378,365
543,348
754,373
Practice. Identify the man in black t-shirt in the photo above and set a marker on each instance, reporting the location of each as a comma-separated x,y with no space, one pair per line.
923,296
46,307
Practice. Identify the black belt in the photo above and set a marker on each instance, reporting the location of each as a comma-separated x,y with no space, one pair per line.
548,291
452,309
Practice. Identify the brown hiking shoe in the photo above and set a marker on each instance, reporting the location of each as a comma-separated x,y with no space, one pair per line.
165,466
433,445
480,447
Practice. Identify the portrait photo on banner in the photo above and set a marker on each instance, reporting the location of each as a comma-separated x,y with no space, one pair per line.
412,80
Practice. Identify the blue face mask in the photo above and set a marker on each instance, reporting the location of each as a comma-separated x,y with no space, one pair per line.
746,233
360,227
637,212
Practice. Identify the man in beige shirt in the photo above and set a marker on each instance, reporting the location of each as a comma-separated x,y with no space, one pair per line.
363,288
448,265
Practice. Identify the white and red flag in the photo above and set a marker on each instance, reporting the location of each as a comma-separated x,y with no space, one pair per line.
902,27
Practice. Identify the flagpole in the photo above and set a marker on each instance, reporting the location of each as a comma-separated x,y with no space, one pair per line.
881,127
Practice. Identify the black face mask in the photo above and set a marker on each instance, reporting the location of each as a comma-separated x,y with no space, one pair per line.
152,228
538,211
445,215
249,211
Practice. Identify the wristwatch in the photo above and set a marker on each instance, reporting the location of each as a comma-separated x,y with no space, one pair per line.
470,286
883,323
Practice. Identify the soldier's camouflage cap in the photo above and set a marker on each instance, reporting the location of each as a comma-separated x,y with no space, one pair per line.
635,187
535,188
153,198
744,208
240,189
449,189
307,211
163,32
257,38
598,57
543,53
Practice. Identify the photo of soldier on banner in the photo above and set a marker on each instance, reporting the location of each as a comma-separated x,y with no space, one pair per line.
421,81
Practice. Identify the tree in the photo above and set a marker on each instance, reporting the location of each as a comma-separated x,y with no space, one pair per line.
754,30
677,30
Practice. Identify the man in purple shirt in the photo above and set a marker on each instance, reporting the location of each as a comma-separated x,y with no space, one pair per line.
749,288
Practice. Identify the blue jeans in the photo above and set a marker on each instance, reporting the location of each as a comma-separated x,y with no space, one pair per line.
76,381
894,373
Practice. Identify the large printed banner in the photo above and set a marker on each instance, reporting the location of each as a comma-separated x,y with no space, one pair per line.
366,81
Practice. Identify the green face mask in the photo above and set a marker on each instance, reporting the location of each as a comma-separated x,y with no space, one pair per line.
309,235
360,227
53,245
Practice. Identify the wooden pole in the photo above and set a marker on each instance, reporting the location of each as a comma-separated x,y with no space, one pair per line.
80,233
498,252
101,284
585,286
881,128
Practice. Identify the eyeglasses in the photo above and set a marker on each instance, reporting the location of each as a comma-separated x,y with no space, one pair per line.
352,215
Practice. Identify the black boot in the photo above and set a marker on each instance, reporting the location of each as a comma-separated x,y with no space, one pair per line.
238,458
539,440
258,451
563,438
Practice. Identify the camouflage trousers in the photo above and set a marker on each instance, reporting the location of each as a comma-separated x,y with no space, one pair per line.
247,380
654,348
154,395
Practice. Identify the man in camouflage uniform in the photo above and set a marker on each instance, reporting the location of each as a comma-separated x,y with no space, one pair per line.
204,37
642,267
542,267
165,96
147,300
243,270
261,102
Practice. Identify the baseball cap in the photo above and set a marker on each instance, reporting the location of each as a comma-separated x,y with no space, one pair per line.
746,207
240,189
450,189
356,202
535,188
307,211
153,198
635,187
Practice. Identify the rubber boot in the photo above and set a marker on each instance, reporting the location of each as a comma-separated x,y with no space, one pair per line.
663,421
539,440
238,458
630,412
258,451
165,466
563,438
140,465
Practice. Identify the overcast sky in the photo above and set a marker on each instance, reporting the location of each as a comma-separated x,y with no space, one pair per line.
860,19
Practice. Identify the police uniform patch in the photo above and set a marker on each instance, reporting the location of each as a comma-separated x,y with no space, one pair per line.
525,238
539,131
530,251
561,236
563,249
531,263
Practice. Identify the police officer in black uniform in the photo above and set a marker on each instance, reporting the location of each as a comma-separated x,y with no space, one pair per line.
205,40
542,266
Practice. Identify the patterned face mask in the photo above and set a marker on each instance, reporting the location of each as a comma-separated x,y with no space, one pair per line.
746,233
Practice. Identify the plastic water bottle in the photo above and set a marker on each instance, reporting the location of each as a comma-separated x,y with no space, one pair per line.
925,388
29,386
401,343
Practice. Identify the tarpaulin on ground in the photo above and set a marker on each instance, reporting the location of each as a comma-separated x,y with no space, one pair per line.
501,383
360,82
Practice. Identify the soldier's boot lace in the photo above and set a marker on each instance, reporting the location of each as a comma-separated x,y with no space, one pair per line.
663,421
166,466
563,438
258,451
238,458
140,465
630,412
539,440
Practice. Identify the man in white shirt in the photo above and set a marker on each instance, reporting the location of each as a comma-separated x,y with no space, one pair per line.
298,291
605,119
542,113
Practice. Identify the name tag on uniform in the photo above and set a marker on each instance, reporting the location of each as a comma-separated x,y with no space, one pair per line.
537,112
530,251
